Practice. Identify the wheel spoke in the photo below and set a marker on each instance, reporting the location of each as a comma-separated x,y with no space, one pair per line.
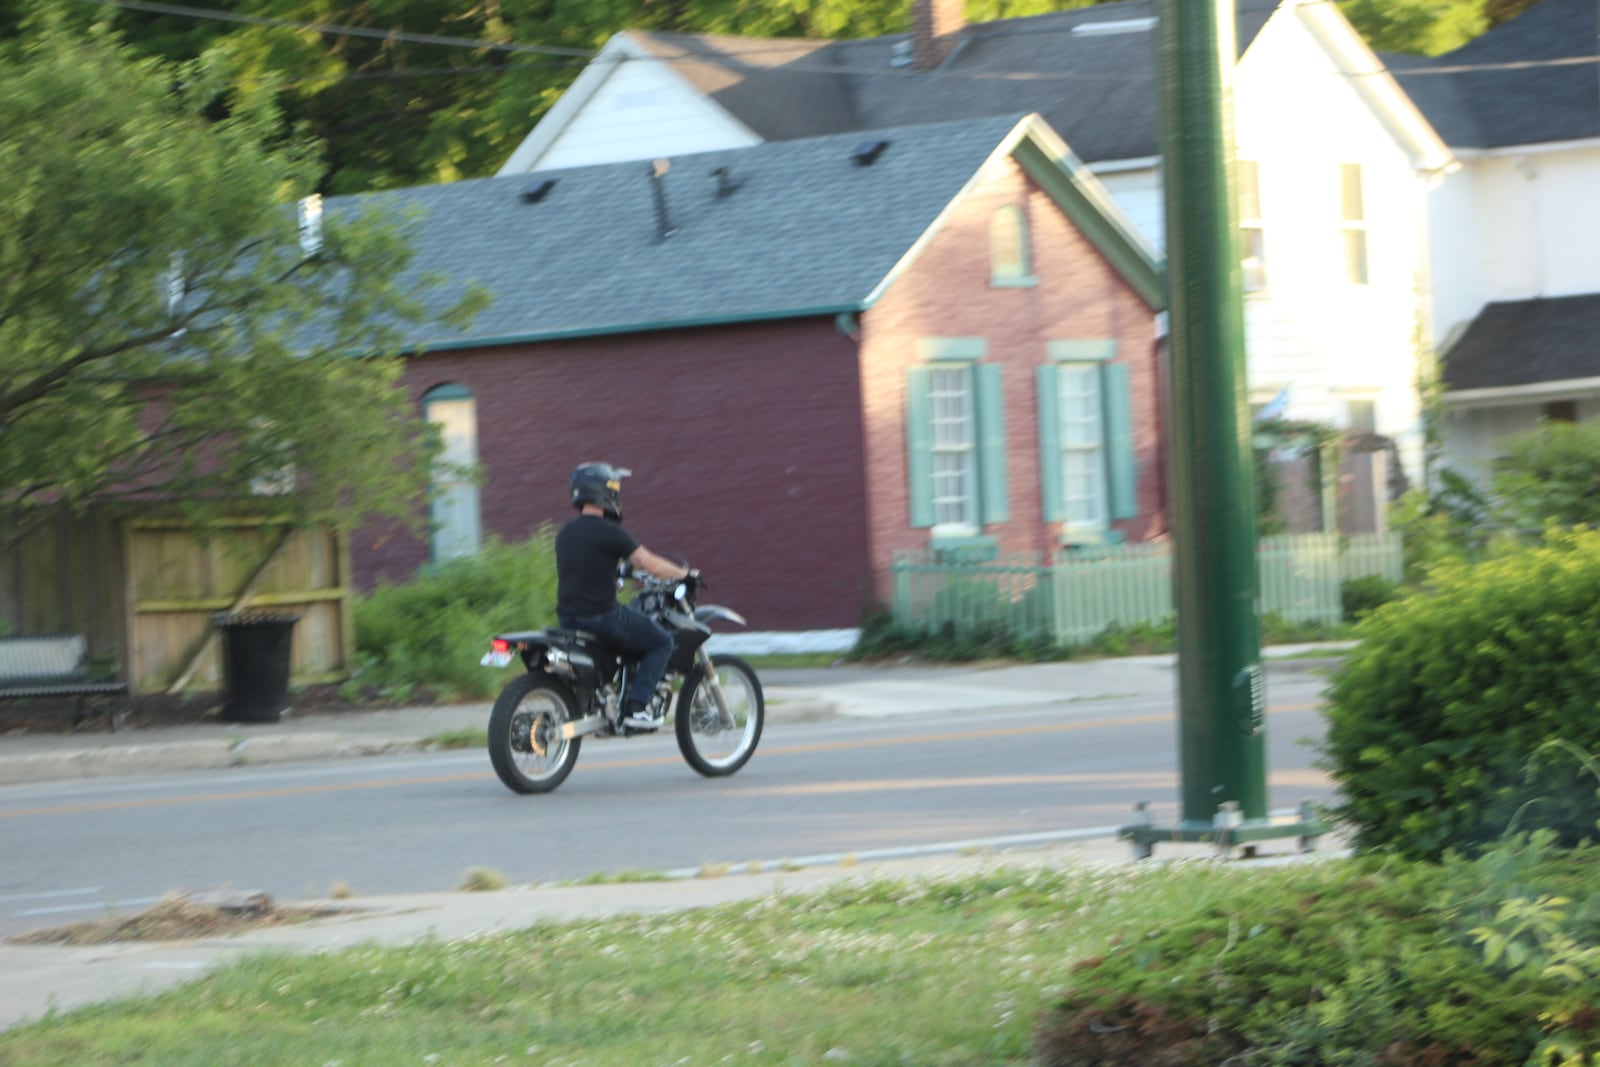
719,740
526,746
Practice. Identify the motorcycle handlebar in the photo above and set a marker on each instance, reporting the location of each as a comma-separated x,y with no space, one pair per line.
645,578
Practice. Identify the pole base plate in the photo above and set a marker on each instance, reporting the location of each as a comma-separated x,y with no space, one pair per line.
1144,837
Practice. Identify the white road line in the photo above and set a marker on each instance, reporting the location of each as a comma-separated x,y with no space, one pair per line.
98,905
52,894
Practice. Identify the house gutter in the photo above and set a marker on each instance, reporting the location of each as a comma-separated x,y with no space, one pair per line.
829,310
1513,150
1513,394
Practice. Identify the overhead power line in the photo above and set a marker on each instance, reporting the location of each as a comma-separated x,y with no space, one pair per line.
736,62
336,30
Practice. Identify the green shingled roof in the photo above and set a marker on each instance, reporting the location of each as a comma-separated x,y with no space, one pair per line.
786,229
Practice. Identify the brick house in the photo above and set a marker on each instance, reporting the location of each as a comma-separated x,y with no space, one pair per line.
811,353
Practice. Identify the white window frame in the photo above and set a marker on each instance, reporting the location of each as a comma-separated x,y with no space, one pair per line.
1081,435
952,403
1354,250
1252,234
1010,251
457,521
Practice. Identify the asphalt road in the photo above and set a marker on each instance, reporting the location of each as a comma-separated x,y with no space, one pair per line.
418,823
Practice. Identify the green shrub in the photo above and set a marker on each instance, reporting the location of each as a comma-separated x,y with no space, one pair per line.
1458,716
1447,524
1358,597
1548,475
1134,639
883,638
431,632
1374,962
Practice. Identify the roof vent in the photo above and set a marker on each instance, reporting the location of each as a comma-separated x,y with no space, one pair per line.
902,54
726,186
1111,27
664,226
866,153
537,191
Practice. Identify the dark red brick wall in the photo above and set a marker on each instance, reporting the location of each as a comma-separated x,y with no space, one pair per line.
945,292
745,441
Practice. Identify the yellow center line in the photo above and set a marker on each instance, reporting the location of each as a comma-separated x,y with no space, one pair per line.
621,764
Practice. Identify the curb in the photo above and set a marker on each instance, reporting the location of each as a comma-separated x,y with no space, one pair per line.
1302,664
158,757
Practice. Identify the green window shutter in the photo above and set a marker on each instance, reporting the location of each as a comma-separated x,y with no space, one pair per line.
1122,474
919,445
990,402
1050,502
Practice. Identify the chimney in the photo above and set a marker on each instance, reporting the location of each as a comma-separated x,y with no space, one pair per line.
934,27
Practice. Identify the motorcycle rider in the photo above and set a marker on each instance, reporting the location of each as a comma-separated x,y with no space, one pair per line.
588,548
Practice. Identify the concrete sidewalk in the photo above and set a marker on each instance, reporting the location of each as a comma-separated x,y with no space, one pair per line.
36,980
791,696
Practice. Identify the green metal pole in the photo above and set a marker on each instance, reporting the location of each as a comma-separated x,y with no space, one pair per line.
1220,686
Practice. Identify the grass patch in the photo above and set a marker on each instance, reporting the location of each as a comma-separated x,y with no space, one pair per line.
1021,966
482,880
620,877
780,661
466,737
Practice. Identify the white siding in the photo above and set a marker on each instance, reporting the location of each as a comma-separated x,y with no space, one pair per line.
641,111
1325,339
1328,341
1470,436
1138,194
1456,247
1515,227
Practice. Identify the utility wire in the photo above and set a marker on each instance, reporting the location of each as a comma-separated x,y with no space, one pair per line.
344,31
734,61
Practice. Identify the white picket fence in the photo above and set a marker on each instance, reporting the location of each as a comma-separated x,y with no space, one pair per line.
1080,595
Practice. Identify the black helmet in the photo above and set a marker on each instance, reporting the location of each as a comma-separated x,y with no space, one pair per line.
599,484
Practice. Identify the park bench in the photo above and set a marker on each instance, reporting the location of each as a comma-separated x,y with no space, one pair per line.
43,667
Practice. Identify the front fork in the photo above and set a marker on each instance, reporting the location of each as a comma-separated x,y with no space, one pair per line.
714,685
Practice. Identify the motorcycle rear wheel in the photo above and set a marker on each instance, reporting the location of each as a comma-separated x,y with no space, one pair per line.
525,743
708,744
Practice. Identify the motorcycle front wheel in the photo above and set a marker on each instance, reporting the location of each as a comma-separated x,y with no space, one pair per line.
525,743
714,743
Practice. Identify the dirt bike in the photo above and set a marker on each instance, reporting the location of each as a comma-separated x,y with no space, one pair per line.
574,684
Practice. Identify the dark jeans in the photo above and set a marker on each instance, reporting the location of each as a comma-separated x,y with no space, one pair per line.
631,631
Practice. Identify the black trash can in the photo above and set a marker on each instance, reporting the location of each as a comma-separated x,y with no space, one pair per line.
255,664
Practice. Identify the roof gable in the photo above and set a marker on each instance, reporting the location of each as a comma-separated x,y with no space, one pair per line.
776,230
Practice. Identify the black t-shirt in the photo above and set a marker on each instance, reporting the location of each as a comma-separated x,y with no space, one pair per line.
587,550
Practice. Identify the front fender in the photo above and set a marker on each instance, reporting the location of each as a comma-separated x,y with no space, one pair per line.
707,612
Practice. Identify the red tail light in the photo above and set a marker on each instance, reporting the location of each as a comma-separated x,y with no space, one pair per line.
500,644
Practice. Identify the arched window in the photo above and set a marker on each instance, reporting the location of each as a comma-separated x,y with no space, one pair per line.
1009,261
453,511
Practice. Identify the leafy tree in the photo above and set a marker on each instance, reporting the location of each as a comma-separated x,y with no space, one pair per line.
395,111
1427,27
163,335
1550,475
1421,27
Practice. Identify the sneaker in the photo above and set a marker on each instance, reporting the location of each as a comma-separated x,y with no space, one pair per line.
635,718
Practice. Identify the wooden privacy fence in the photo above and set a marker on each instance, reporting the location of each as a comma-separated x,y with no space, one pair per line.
144,591
1082,594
